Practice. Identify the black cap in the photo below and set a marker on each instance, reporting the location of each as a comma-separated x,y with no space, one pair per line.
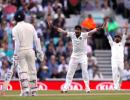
19,16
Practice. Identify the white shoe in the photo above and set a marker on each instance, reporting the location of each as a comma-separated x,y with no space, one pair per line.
88,90
117,89
63,91
24,94
34,93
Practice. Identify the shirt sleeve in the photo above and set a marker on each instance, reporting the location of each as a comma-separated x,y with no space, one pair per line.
91,32
35,35
110,39
124,39
16,40
37,41
69,34
14,34
85,34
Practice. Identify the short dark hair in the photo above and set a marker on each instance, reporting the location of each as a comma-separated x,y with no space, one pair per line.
89,16
19,16
78,26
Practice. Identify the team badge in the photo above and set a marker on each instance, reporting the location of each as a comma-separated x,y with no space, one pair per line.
80,38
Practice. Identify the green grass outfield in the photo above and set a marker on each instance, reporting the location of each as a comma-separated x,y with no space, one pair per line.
71,95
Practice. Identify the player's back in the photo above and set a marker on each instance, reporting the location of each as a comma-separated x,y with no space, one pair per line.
25,33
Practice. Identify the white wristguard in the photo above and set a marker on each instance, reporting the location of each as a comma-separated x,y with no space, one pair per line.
15,60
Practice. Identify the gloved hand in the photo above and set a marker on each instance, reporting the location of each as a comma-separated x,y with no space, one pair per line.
15,60
40,55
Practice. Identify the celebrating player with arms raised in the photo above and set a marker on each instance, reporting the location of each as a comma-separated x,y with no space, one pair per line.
117,56
78,56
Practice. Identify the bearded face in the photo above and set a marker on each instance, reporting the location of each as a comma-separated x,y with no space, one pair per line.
117,39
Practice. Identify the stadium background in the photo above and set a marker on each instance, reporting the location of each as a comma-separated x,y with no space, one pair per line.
66,14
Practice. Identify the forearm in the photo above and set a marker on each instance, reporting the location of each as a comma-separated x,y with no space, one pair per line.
124,38
126,30
92,31
39,52
38,44
61,30
107,33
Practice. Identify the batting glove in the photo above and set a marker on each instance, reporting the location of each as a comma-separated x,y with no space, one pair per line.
40,55
15,59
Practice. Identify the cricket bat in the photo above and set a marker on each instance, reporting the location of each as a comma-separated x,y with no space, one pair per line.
7,79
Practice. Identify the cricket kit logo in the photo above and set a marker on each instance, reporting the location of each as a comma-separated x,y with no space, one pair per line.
9,86
42,86
73,86
105,86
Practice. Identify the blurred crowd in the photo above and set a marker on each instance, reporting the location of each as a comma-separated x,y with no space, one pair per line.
55,45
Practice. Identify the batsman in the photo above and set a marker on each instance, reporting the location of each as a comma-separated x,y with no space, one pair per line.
24,36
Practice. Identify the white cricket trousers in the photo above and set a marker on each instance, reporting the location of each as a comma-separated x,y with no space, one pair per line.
27,68
117,72
73,64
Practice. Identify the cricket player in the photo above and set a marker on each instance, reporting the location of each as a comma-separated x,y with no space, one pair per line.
24,36
117,56
78,55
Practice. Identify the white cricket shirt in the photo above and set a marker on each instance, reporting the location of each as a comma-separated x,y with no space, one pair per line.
79,47
117,49
24,35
